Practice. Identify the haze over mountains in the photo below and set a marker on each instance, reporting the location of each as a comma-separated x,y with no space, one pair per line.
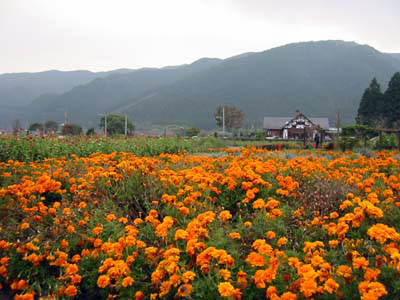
319,78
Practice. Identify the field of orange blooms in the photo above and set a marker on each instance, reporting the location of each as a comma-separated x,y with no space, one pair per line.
250,225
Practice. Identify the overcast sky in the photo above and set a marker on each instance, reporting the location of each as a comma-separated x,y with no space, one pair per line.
97,35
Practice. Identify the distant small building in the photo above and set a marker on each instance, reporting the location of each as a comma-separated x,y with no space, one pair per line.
297,127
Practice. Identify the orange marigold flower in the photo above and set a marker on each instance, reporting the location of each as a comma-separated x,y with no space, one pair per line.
235,235
308,287
225,215
271,291
110,217
97,230
188,276
137,221
123,220
64,243
103,281
259,204
225,289
333,243
24,226
360,262
270,235
76,279
71,291
344,271
127,281
317,260
71,269
225,274
331,286
184,290
248,224
70,229
180,234
139,295
21,284
381,233
334,215
242,279
282,241
371,274
256,260
27,296
288,296
371,290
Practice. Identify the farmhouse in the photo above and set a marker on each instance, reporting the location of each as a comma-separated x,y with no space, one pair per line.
297,127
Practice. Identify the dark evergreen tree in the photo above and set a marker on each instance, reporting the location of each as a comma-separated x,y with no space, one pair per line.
371,105
392,102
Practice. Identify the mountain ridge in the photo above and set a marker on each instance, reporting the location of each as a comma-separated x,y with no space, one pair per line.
317,77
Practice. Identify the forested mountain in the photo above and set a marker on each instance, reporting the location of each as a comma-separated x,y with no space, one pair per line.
85,103
19,89
318,78
396,55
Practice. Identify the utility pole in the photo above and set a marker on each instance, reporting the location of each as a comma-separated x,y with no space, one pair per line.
65,117
223,120
105,124
338,121
126,125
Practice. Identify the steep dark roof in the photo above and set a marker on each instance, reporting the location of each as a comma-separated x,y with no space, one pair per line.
279,122
275,122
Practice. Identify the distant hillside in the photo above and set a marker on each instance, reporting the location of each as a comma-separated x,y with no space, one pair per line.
19,89
84,103
318,78
396,55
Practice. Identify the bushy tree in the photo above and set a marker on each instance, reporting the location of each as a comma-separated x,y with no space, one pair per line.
36,127
234,116
71,129
193,131
90,131
391,101
370,105
51,126
116,124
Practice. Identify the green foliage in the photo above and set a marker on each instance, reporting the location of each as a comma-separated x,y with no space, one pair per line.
71,129
347,142
386,141
392,102
193,131
51,126
90,131
371,105
381,110
36,127
116,124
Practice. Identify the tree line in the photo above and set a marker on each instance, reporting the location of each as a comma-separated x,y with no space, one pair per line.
381,109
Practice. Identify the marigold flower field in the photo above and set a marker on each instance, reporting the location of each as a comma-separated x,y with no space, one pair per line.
252,224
